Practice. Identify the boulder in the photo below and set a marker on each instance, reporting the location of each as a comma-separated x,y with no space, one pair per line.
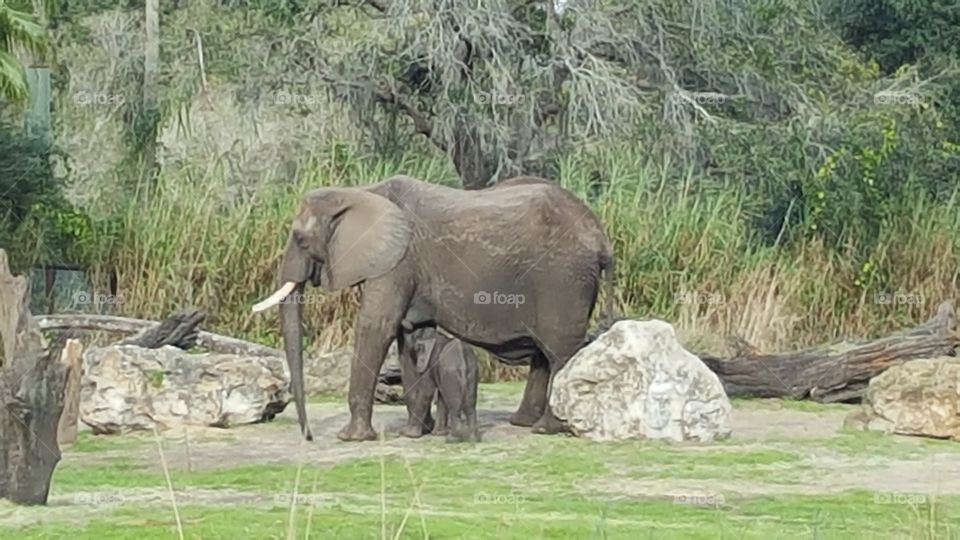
329,373
128,388
919,397
636,381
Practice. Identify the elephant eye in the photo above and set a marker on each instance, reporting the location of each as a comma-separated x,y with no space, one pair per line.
299,239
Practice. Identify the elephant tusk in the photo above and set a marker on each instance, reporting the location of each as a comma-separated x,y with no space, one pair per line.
276,297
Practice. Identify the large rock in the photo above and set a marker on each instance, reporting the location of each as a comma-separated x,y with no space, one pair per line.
637,382
329,373
127,388
919,397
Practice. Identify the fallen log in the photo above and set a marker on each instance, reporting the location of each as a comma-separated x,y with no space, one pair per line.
126,325
33,380
180,330
837,372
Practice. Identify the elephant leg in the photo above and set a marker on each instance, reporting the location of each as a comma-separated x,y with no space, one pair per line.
418,390
442,427
470,399
556,354
534,394
381,310
452,395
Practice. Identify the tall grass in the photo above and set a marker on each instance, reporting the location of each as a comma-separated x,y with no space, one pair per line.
683,255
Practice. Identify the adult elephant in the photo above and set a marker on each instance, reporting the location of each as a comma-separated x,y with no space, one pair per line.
514,269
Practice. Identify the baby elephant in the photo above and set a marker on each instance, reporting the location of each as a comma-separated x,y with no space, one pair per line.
451,367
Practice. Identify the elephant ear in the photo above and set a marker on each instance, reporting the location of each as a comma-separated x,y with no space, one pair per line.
369,237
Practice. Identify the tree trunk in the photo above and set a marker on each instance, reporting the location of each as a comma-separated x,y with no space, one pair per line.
475,169
32,383
151,66
838,372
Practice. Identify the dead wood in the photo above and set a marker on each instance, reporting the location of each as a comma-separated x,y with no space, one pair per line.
837,372
33,379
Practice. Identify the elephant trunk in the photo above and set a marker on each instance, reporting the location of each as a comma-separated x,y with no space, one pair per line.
291,320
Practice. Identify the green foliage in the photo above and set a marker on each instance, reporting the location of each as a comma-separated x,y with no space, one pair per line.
898,32
19,29
37,223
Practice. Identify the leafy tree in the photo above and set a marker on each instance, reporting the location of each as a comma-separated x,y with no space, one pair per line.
19,29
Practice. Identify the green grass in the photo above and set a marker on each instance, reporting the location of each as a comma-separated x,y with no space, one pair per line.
841,516
532,487
87,442
790,404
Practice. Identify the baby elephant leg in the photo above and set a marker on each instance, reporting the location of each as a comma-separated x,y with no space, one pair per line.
441,420
418,391
458,386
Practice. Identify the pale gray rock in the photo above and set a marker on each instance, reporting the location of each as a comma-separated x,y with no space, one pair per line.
636,381
128,388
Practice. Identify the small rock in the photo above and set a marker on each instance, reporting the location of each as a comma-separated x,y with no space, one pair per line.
636,381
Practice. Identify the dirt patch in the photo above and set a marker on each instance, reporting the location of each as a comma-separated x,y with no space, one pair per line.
821,469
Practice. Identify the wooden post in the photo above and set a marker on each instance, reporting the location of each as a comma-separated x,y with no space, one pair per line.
72,358
32,383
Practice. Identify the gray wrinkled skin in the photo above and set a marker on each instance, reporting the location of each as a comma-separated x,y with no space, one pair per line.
430,255
450,366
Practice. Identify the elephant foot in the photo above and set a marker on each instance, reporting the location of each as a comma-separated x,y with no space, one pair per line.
415,430
441,431
357,432
548,424
524,418
465,435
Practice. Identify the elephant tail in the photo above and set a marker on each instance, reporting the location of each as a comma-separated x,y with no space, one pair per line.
610,314
608,267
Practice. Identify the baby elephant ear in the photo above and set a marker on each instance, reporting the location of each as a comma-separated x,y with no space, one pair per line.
370,236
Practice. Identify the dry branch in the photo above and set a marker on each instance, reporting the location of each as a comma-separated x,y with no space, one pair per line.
837,372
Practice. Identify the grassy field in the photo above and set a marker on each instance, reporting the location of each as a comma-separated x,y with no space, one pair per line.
788,471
